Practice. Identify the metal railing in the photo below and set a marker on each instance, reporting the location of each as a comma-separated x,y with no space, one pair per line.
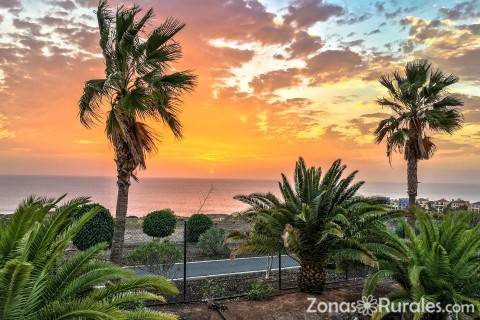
195,283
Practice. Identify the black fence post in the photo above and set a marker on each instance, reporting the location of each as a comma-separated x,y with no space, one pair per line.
185,261
280,270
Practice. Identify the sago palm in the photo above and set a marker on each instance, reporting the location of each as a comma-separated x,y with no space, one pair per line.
138,85
311,222
438,264
38,282
262,238
420,105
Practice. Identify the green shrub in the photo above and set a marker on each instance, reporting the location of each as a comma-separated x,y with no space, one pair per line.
196,225
159,224
158,257
259,290
212,290
98,229
212,242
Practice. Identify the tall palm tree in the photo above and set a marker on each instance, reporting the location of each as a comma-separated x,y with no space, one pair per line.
137,86
421,104
438,264
311,222
38,281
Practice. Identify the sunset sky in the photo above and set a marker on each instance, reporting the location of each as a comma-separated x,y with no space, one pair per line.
277,79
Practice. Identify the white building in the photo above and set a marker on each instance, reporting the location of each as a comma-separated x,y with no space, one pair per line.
423,203
475,207
459,204
440,205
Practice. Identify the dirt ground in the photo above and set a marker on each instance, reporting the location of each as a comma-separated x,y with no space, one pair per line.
287,306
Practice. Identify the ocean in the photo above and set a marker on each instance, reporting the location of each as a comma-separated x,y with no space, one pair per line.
185,195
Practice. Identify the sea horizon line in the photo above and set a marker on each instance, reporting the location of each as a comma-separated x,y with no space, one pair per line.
213,178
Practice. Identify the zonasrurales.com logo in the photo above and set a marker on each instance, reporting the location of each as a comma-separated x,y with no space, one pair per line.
367,305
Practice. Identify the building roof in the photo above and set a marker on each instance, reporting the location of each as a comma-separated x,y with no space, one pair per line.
460,201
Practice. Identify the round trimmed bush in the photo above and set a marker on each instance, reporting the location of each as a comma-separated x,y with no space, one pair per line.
197,224
98,229
159,224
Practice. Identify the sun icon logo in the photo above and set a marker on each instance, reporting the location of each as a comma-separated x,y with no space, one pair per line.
367,306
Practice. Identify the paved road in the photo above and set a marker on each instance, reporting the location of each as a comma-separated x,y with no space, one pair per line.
211,268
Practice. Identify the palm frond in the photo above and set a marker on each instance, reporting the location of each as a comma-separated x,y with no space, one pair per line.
435,263
164,33
40,283
90,101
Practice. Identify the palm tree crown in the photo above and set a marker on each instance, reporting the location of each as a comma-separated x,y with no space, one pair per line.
136,84
420,102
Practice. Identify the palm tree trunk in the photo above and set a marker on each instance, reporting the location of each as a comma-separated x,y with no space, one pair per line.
412,181
311,277
124,173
